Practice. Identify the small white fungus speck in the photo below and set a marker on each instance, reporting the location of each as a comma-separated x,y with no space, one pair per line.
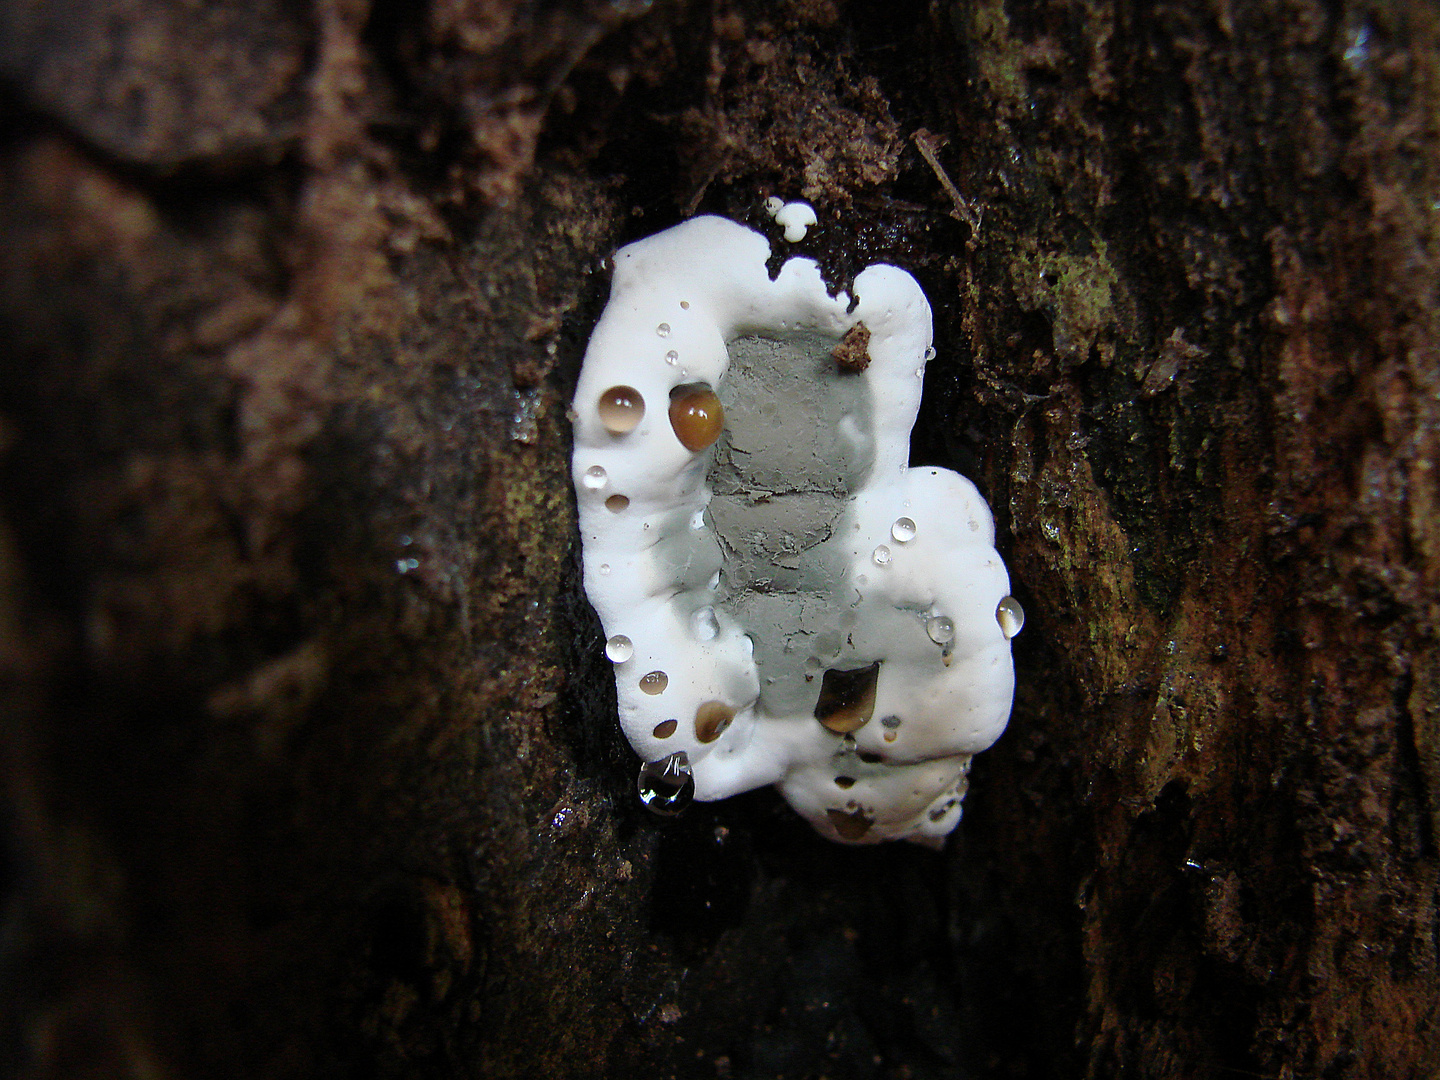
795,218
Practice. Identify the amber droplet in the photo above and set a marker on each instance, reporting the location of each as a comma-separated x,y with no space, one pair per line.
847,698
616,503
852,825
711,720
655,683
696,415
665,729
621,408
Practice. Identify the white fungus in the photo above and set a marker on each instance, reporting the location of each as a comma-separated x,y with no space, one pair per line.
784,464
795,218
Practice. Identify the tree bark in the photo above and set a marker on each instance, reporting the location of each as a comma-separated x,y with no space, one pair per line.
310,756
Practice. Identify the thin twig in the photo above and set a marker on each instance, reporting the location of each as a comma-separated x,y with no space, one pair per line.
965,210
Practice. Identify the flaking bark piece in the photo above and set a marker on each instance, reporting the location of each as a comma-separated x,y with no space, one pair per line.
853,353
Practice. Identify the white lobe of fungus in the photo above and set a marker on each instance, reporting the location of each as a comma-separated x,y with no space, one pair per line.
795,218
768,548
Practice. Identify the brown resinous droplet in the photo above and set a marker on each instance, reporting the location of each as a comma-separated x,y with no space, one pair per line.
711,720
847,698
696,415
620,409
851,825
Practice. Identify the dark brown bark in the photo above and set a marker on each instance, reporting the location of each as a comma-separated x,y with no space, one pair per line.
310,756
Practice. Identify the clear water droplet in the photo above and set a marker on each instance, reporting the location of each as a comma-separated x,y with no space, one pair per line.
697,520
667,786
595,478
749,644
663,329
655,683
940,629
929,353
704,625
881,555
672,357
903,530
1011,617
919,373
813,665
714,581
604,569
619,649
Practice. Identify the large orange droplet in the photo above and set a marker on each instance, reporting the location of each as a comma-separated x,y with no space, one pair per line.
696,415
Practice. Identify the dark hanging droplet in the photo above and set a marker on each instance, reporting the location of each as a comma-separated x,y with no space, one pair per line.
844,781
667,785
851,825
847,698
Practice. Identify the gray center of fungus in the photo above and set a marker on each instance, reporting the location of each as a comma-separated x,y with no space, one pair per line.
796,445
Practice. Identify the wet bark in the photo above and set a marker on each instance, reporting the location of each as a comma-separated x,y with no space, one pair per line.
309,748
